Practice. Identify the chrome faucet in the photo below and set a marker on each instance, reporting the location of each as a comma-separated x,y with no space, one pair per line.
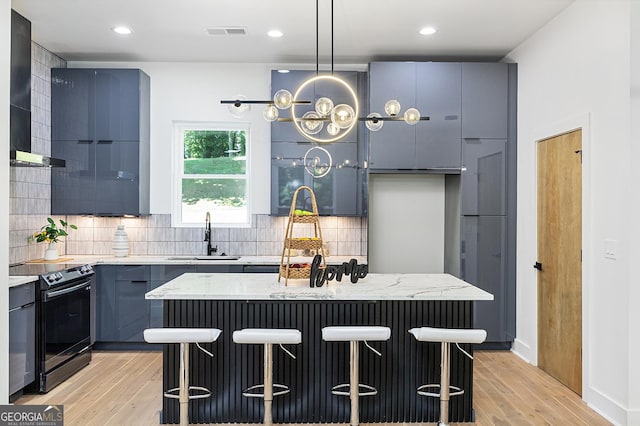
207,235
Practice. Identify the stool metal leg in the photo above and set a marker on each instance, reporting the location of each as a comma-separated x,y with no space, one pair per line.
444,383
354,384
268,383
184,384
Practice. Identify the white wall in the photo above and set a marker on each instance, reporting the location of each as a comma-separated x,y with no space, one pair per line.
406,223
575,72
5,70
634,206
192,92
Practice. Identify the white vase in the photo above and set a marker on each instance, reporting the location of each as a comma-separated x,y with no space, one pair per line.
120,242
51,253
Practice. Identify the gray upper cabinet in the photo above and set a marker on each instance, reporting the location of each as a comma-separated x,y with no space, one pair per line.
341,190
485,100
286,131
434,88
439,96
393,146
100,126
337,193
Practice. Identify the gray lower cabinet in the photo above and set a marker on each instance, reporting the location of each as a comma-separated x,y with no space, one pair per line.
100,126
483,264
123,313
22,335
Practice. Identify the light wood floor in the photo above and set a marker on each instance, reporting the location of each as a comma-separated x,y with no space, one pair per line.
125,388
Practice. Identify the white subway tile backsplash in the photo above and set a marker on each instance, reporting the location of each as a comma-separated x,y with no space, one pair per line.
159,221
243,248
189,234
218,234
159,234
187,248
268,248
161,248
242,234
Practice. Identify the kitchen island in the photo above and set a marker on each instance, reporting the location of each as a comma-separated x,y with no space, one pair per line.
400,301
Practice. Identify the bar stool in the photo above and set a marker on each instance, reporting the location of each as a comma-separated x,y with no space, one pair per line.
354,335
184,336
268,337
446,336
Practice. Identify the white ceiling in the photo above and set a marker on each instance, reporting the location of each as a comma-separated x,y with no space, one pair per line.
364,30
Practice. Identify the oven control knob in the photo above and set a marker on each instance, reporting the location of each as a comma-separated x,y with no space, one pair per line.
50,278
58,276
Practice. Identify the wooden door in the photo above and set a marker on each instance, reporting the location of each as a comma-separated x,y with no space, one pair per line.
560,255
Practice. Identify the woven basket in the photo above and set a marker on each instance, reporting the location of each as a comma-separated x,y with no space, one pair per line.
295,273
302,244
306,218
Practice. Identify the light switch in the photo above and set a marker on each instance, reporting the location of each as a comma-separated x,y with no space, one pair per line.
610,249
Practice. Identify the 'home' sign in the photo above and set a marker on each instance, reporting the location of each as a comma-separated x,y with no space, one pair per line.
320,275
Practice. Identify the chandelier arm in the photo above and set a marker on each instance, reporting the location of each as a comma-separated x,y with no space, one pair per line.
397,118
237,102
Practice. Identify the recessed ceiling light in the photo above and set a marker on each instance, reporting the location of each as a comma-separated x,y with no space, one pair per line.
427,31
121,30
283,71
275,33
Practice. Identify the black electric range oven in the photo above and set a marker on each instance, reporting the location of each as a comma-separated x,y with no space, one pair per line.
63,325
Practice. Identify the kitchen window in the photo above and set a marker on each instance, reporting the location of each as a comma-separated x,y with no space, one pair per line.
211,174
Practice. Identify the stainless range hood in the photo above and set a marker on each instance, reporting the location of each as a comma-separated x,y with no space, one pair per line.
20,98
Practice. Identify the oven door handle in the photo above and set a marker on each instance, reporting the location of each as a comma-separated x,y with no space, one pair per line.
56,293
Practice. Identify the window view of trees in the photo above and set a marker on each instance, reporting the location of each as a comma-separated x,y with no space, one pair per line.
214,175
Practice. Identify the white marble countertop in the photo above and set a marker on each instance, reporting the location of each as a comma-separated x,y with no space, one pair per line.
266,287
16,281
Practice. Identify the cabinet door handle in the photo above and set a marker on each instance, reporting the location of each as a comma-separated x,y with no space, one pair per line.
538,266
85,141
105,141
139,282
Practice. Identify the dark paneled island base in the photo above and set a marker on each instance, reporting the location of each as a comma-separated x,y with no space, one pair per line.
405,363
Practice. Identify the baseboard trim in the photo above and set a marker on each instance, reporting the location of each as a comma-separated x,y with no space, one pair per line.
522,350
608,408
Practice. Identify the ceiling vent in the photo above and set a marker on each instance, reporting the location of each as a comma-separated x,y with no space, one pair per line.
230,31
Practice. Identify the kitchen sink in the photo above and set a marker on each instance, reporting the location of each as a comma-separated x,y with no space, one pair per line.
212,258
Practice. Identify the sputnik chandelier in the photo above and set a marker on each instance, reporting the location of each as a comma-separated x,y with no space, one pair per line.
323,121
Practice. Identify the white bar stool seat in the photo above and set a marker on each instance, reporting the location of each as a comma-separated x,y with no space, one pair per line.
355,334
268,337
446,336
184,336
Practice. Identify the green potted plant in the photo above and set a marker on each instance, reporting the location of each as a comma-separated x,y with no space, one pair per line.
51,234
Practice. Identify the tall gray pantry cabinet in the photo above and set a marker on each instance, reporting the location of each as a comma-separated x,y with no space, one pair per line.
470,138
100,126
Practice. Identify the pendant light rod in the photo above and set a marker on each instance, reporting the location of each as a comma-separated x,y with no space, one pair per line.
331,37
317,43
